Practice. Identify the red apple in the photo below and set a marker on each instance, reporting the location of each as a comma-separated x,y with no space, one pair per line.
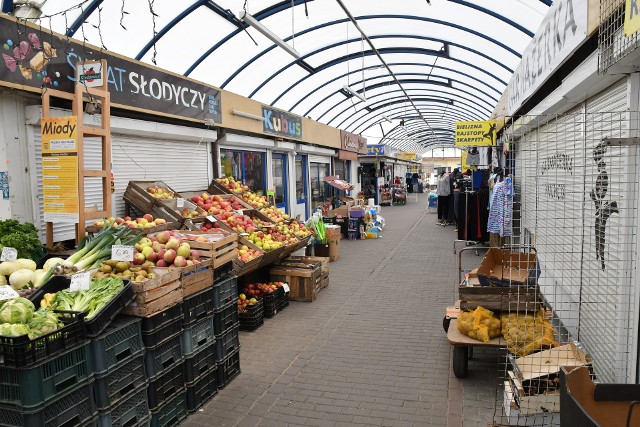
148,217
139,259
162,263
169,256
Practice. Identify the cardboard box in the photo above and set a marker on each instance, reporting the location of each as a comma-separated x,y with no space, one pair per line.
501,267
333,238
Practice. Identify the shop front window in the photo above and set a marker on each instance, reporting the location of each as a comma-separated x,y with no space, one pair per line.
279,169
245,166
319,192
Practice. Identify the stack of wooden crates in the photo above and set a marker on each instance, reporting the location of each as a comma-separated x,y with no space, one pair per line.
306,276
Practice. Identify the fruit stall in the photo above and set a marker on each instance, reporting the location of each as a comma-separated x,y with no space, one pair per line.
140,323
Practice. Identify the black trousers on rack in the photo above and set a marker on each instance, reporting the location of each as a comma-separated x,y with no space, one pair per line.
443,207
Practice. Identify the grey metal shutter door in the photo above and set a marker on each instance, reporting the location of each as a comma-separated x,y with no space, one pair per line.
608,295
184,166
92,188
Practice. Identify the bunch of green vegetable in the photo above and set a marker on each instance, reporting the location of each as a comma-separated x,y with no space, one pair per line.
316,224
92,250
18,317
91,301
23,237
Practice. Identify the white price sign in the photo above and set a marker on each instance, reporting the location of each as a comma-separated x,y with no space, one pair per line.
80,281
240,212
244,234
7,292
211,218
180,202
285,287
9,254
122,253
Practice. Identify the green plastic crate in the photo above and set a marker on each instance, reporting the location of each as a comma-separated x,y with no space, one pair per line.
172,413
41,383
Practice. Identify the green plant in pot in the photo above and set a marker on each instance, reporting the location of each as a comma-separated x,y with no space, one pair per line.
320,244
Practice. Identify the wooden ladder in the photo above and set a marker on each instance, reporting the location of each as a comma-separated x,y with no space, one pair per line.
82,95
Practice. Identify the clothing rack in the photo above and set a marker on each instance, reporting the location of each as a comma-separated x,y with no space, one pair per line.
466,211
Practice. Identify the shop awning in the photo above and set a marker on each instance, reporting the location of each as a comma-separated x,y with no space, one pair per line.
340,184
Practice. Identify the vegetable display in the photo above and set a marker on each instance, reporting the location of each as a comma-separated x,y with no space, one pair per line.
22,237
92,250
317,225
19,317
90,302
23,276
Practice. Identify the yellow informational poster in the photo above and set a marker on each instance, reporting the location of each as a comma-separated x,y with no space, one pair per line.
631,17
474,134
407,156
60,169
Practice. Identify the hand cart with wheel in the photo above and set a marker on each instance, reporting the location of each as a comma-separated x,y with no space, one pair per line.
463,345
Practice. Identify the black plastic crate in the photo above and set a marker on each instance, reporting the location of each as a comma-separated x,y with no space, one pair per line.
131,410
45,381
165,385
223,272
200,362
159,320
98,323
197,336
283,302
160,335
224,291
202,390
228,369
252,318
225,317
171,413
272,303
110,388
163,356
227,343
197,306
117,344
72,409
22,351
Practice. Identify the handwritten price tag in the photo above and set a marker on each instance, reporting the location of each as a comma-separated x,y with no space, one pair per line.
180,202
80,281
285,287
210,218
7,292
9,254
122,253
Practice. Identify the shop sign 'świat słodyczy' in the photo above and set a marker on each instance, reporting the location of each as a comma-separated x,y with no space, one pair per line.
35,59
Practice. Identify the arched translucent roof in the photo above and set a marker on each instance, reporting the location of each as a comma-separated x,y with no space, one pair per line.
451,59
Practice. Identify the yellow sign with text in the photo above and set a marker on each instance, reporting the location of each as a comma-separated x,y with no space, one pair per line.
60,169
475,134
631,17
407,156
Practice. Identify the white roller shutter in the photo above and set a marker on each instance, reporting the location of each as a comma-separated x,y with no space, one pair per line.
606,294
319,159
184,166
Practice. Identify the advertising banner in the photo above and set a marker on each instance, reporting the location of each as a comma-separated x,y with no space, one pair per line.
375,150
353,142
60,169
631,17
35,59
476,134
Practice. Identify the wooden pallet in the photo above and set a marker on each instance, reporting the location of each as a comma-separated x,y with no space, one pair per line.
309,260
498,298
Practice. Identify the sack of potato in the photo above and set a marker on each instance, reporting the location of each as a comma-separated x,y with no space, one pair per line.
480,324
527,333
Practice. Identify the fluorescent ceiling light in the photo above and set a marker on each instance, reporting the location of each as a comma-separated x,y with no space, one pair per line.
246,115
354,93
268,34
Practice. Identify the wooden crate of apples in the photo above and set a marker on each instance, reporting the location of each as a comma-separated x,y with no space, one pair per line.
145,225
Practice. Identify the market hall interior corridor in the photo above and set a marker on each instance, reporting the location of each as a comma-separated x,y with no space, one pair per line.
370,350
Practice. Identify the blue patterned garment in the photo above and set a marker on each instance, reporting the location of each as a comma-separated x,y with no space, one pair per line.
501,213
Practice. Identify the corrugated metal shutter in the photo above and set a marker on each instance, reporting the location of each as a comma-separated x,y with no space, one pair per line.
184,166
92,188
319,159
606,294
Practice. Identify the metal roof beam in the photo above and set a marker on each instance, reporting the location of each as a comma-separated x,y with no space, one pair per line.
495,15
84,15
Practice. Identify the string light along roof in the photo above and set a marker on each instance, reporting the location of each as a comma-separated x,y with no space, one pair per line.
402,72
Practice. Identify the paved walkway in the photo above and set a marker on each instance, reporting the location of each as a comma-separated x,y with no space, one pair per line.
371,349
